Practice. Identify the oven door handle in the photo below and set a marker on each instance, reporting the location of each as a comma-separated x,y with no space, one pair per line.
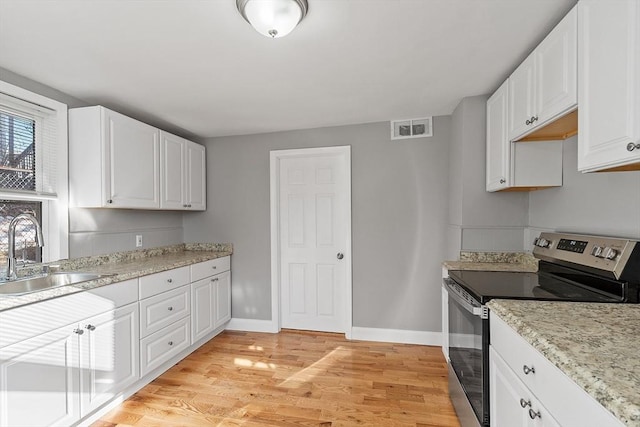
471,306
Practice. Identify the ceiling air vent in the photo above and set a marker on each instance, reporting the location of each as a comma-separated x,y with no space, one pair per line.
412,128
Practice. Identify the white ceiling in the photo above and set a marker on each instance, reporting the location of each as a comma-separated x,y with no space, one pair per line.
198,67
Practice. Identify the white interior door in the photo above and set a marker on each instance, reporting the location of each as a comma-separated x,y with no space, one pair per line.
314,250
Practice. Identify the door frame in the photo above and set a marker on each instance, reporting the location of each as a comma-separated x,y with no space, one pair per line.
274,180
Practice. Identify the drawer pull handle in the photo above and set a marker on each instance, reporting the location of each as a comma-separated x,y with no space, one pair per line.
169,280
170,308
170,342
525,403
527,370
90,327
533,414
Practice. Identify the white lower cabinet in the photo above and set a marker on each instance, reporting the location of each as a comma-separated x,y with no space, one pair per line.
63,360
69,372
210,296
512,404
526,389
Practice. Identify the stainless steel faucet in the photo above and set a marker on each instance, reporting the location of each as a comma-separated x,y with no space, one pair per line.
11,262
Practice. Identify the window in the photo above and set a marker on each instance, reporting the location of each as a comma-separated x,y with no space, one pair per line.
33,173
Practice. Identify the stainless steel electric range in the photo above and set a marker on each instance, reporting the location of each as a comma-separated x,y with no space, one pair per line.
572,267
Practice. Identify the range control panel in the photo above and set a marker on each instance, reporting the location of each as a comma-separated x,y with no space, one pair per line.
602,253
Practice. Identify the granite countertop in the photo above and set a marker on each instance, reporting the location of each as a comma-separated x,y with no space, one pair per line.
120,266
594,344
494,261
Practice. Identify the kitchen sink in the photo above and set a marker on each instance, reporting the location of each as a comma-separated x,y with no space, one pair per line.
52,280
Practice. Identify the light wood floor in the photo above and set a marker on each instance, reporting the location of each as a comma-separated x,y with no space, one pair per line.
295,379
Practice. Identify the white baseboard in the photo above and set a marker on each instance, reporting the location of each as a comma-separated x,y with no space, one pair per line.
251,325
400,336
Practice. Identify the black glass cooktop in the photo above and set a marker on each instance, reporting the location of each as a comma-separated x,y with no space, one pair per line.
486,285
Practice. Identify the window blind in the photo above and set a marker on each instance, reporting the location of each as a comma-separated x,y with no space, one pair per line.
28,160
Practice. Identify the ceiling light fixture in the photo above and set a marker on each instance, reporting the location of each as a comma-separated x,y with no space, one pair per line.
273,18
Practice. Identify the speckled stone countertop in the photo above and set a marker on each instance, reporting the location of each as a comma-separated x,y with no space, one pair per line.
494,261
596,345
120,266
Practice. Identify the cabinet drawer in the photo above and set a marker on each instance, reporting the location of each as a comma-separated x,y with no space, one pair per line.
564,399
163,345
157,283
209,268
162,310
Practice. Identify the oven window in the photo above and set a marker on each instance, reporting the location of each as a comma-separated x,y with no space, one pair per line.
466,354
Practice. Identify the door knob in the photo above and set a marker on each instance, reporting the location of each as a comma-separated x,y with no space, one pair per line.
340,255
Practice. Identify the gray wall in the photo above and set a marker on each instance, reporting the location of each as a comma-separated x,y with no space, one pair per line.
478,221
605,203
100,231
399,208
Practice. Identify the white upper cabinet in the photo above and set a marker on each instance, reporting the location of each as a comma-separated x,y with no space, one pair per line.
517,166
118,162
183,172
609,85
113,160
498,156
172,167
196,177
544,87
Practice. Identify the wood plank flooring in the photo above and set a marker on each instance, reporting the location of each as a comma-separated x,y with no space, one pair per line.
295,378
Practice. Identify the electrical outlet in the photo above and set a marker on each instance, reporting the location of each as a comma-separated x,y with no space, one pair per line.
138,240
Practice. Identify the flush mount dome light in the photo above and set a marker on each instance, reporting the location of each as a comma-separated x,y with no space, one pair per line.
273,18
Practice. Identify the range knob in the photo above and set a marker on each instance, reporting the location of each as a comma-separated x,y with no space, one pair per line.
597,251
543,243
609,253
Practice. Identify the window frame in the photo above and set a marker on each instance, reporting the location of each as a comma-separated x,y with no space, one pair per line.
55,208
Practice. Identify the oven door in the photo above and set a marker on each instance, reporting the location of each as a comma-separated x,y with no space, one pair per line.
468,356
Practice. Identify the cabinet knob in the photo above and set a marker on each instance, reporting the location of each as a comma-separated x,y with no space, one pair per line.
78,331
169,280
631,146
214,280
525,403
340,255
170,343
90,327
170,309
185,205
109,201
528,370
215,267
533,414
502,180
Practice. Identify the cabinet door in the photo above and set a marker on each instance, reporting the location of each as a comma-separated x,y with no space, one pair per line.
39,380
172,171
109,356
196,185
608,84
223,298
498,156
202,308
131,162
512,404
522,98
556,70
